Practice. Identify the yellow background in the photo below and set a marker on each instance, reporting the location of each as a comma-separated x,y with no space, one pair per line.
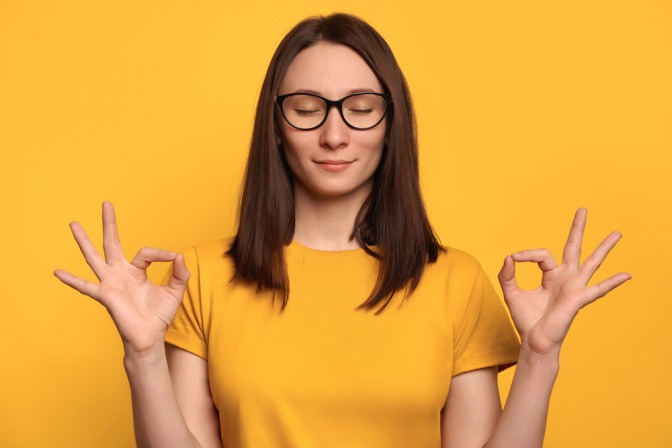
527,110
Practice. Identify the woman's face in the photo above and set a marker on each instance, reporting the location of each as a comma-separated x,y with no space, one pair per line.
334,159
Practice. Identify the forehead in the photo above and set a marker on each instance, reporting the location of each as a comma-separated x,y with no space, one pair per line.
331,70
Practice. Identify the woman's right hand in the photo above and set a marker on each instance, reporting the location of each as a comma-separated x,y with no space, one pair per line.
141,310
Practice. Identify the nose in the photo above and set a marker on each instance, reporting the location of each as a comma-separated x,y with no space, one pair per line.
334,133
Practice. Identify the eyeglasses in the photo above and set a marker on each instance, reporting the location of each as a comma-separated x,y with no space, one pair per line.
306,111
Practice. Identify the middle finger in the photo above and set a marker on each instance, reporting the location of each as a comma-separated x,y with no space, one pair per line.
111,243
572,252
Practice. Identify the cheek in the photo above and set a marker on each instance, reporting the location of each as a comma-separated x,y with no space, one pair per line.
290,156
295,154
376,160
378,145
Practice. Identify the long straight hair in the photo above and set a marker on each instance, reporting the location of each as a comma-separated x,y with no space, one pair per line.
392,218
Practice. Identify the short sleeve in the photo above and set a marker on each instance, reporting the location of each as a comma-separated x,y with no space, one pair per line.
187,331
486,336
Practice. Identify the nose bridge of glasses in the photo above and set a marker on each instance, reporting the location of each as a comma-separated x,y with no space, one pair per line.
338,104
334,124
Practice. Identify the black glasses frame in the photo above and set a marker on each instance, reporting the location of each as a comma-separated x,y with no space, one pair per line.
280,99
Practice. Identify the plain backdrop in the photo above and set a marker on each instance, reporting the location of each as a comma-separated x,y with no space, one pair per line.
527,110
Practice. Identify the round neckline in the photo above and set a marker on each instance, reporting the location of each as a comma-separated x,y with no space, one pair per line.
298,251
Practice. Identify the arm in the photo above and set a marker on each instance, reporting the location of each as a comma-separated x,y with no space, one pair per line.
189,375
161,415
542,317
472,409
473,416
523,421
142,312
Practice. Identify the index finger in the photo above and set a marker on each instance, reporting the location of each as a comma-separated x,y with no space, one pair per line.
111,243
572,253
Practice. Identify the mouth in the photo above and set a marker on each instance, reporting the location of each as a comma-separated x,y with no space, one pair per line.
334,165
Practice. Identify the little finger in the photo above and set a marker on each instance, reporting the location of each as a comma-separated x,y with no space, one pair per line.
79,284
604,287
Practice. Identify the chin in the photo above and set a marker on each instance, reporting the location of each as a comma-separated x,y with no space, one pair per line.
338,191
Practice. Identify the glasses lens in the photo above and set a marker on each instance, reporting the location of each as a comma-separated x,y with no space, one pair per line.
304,111
364,110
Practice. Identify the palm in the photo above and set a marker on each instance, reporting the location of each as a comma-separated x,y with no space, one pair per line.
136,302
543,315
141,310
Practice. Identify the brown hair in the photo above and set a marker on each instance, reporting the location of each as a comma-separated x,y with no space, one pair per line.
392,218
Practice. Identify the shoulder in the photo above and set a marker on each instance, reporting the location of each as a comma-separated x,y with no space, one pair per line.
209,256
453,276
213,249
457,263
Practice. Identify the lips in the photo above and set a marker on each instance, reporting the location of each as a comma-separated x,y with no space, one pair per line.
334,165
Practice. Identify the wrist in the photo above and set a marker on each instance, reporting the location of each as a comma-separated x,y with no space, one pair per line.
149,357
549,360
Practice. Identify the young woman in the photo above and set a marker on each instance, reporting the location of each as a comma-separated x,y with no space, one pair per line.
334,317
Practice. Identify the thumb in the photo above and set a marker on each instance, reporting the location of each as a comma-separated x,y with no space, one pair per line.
507,277
180,275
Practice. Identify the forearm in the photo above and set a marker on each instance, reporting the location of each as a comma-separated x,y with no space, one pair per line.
523,420
157,418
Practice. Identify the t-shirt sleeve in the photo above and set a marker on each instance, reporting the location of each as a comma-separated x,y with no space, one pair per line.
187,331
486,336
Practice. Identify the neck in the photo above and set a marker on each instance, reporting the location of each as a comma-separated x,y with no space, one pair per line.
326,223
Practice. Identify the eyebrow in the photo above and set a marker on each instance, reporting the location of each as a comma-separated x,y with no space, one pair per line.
349,92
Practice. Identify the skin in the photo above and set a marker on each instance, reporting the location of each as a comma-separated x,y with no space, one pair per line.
327,202
172,405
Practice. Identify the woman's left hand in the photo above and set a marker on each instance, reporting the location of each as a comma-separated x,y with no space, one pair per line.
543,315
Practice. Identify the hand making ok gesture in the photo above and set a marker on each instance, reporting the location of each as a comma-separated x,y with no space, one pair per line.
543,315
141,310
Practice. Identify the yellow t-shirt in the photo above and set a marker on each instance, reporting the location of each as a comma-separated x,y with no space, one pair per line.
323,374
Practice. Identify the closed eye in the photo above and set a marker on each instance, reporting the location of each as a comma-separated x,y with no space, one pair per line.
360,111
306,112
